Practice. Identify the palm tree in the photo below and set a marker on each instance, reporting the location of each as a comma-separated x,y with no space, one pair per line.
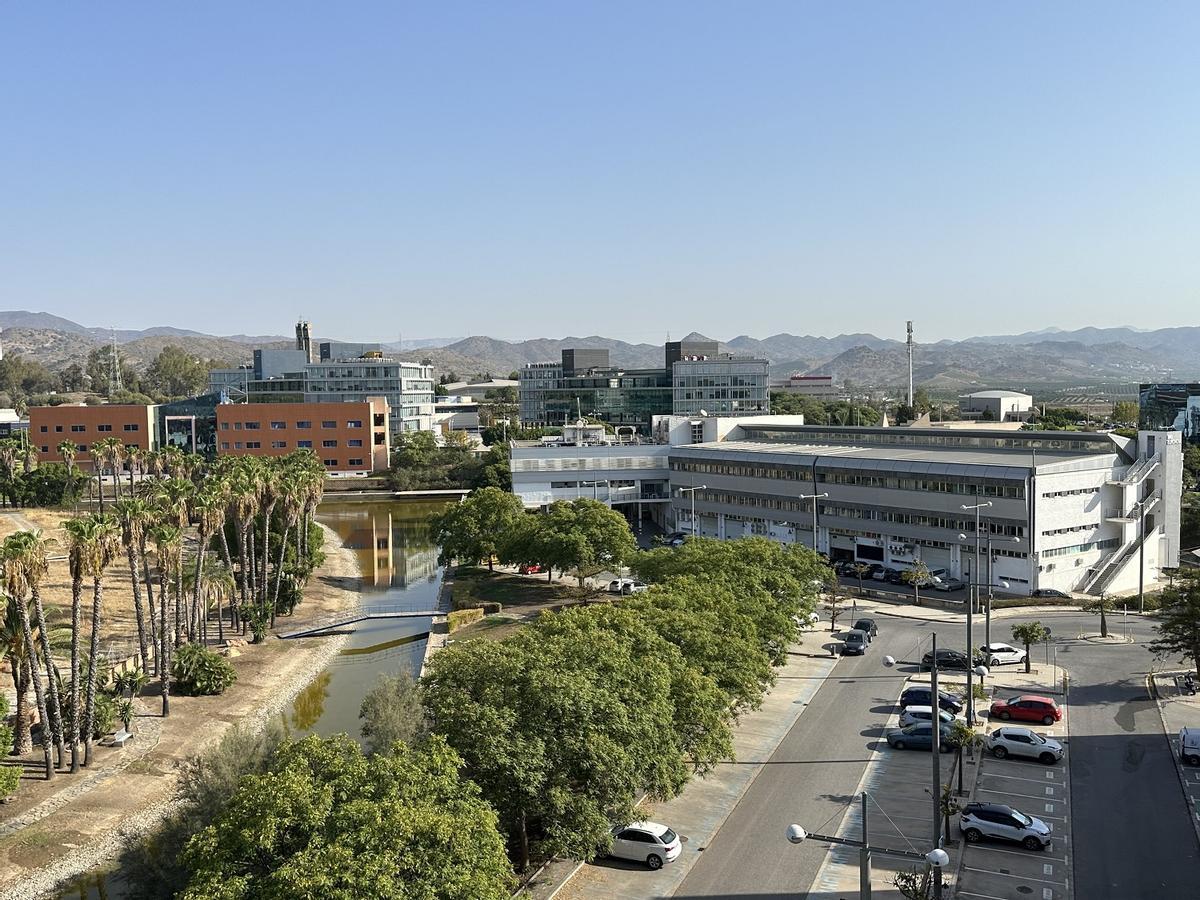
67,450
133,514
17,585
99,550
29,456
13,647
244,497
291,490
78,534
208,508
106,455
30,551
268,493
10,451
135,456
168,539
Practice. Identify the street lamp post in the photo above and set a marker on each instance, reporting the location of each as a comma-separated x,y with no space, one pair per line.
814,498
974,599
692,491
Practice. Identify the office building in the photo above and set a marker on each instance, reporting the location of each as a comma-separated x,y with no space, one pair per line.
819,386
49,426
1171,406
695,376
996,406
350,438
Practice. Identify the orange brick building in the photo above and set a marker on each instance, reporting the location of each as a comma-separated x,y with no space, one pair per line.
347,437
49,426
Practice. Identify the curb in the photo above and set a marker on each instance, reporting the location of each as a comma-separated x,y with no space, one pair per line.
1152,687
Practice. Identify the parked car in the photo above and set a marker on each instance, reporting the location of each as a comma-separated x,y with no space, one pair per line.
921,696
807,621
920,737
1001,654
949,584
913,714
893,576
614,586
855,643
994,820
1027,708
949,659
1189,746
633,587
1016,740
529,569
646,842
844,567
869,626
880,573
1051,592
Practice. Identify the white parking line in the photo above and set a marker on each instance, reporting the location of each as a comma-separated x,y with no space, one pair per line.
1019,877
1016,777
983,896
1028,854
983,790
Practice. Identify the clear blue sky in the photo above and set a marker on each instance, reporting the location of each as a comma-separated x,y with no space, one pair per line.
544,169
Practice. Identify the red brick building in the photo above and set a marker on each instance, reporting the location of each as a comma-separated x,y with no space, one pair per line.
49,426
348,438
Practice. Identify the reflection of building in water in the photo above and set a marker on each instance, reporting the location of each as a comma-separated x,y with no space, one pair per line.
391,541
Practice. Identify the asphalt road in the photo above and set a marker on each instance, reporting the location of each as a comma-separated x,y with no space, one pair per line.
811,778
1131,830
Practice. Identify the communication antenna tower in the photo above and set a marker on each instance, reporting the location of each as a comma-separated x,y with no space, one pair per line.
910,368
114,378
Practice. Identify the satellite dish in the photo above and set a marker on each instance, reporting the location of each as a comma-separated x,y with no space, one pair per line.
704,412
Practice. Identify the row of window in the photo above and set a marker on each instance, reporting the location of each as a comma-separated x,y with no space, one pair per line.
83,448
332,463
1054,531
1075,493
282,445
1081,548
303,425
924,521
77,429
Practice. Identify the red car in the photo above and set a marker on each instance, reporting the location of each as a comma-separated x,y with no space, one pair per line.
1027,708
530,569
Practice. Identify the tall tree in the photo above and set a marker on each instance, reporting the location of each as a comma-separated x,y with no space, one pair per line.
78,534
1030,633
16,583
1179,625
168,539
133,515
99,549
473,530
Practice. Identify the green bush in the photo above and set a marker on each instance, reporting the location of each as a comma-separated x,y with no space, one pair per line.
490,608
199,672
10,776
461,618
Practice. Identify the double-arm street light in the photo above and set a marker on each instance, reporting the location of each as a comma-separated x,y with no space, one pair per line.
692,491
814,498
987,620
974,599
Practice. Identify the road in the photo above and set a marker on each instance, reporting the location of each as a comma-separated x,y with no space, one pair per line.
810,778
1131,829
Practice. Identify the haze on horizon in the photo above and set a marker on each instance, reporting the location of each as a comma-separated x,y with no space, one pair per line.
620,169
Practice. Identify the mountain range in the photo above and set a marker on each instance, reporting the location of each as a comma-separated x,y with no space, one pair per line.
1084,356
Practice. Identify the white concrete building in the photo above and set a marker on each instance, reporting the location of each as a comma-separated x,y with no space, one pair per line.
996,406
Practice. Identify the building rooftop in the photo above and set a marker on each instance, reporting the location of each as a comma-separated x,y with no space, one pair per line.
997,395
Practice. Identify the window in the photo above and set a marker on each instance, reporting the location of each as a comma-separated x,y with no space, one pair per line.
329,423
82,448
237,426
355,462
237,445
354,442
304,444
45,428
328,443
45,449
354,423
132,426
252,426
224,445
78,428
224,426
278,426
330,463
104,428
57,429
278,445
253,445
304,423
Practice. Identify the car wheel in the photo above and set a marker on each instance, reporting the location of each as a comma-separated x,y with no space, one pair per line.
899,745
1047,758
1032,843
1047,720
1005,716
999,752
973,835
654,861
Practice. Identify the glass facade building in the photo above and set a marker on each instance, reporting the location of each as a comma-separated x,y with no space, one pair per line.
1174,407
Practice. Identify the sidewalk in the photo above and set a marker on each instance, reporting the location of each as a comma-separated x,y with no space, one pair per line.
907,610
1179,709
698,813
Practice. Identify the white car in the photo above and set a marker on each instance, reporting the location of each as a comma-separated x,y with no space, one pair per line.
1013,740
805,622
646,842
1001,654
911,715
994,820
626,586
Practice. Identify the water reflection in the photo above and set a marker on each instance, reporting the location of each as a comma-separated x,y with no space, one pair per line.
399,564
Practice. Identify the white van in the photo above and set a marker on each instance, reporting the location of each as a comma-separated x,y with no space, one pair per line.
1189,746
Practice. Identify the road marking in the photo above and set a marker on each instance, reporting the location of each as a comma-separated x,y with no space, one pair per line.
1047,869
1012,777
1050,775
984,896
1049,792
1047,894
1024,853
1049,807
1018,877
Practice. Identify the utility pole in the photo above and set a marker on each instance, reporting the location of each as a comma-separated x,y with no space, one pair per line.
910,369
114,378
971,601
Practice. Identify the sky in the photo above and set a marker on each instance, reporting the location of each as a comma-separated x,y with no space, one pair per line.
630,169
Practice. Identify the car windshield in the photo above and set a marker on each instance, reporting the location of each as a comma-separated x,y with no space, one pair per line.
1022,818
668,836
1037,738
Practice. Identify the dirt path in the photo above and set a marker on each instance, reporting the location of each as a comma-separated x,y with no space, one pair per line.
54,831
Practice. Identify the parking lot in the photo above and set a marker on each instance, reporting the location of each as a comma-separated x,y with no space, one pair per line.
1001,871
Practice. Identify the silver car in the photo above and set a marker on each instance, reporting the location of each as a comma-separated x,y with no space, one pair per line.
1013,740
994,820
911,715
646,842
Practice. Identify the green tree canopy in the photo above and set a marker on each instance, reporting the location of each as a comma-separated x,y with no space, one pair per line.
579,535
1030,633
175,373
472,530
328,822
1179,627
390,712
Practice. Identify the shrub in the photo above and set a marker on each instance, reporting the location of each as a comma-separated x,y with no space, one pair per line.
200,672
460,618
10,776
391,712
490,608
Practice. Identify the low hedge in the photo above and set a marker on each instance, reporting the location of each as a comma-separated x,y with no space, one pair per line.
461,618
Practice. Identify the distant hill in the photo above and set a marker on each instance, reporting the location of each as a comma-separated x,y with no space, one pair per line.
1048,356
